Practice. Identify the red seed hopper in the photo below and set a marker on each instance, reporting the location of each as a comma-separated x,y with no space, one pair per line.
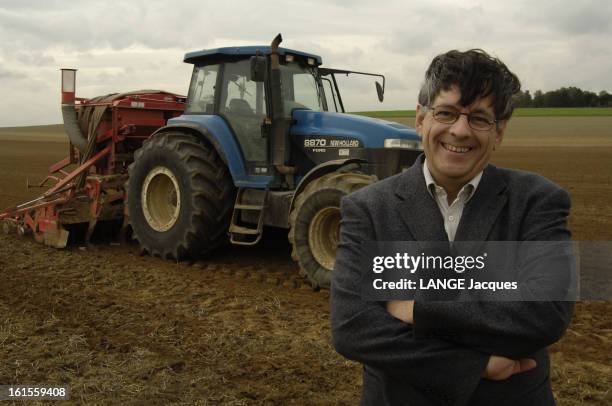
87,186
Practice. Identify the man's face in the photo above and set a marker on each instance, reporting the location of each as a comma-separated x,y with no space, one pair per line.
456,152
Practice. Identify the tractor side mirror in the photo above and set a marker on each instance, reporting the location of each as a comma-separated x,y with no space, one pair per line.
380,91
259,66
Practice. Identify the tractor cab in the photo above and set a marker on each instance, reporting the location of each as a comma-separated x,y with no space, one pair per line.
285,115
225,89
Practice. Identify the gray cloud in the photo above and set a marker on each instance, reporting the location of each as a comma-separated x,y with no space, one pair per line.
580,18
82,28
34,58
6,74
27,5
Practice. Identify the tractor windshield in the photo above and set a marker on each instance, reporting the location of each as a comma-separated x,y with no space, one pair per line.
301,88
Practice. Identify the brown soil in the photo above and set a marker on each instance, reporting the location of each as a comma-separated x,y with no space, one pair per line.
241,327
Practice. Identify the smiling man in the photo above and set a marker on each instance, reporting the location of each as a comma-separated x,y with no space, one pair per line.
445,353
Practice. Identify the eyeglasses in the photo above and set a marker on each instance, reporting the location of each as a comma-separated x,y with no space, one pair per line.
450,115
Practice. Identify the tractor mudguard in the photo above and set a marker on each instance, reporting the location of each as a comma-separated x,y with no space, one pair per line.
320,170
216,131
196,130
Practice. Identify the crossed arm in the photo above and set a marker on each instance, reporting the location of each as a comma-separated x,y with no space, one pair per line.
511,329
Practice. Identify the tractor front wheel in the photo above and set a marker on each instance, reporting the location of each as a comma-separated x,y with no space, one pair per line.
315,223
180,197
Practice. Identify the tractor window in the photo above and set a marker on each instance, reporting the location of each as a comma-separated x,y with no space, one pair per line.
243,105
300,88
201,97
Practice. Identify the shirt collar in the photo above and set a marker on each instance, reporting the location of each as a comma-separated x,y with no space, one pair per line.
469,188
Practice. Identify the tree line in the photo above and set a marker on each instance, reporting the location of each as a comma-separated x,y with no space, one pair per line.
564,97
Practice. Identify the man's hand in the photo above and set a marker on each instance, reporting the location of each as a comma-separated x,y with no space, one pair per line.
401,309
500,368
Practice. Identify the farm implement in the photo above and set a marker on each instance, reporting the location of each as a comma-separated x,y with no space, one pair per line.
93,190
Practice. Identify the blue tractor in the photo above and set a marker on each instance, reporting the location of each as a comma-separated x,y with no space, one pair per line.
264,141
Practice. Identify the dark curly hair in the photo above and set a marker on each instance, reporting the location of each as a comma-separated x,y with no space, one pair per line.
477,75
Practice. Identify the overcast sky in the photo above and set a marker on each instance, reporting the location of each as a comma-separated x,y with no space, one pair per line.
130,45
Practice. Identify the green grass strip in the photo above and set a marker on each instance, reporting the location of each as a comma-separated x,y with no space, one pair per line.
564,112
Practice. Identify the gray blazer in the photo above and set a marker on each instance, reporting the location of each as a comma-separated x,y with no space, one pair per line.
440,359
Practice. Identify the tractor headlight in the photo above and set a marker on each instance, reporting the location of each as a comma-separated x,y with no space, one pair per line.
402,143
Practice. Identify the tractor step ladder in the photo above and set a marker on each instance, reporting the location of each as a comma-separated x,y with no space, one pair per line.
244,235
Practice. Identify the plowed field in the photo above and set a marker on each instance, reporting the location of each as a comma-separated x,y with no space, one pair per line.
242,327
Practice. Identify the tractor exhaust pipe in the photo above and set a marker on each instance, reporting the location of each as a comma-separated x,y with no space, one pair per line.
279,144
279,139
71,124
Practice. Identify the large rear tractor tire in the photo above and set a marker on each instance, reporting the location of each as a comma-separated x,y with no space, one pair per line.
314,223
180,197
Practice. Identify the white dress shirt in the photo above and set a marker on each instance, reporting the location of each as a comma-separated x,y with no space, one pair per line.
450,213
